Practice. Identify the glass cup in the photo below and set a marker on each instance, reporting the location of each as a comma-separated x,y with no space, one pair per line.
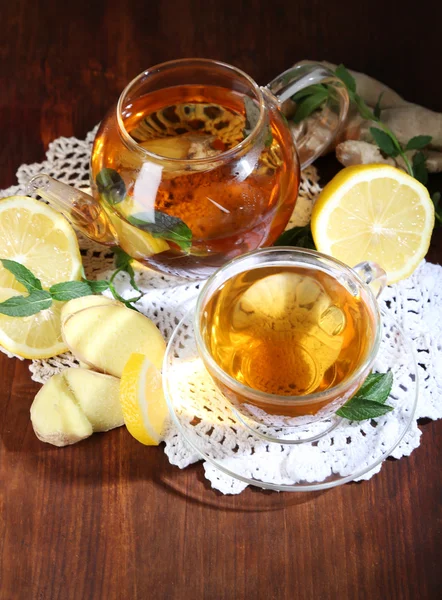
197,164
256,407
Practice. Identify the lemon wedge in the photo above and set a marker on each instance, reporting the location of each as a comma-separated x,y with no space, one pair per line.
376,213
41,239
142,400
36,336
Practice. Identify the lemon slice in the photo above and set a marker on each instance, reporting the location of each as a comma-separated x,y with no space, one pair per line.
135,242
37,236
376,213
36,336
142,400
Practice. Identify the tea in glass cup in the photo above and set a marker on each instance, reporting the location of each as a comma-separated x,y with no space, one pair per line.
288,331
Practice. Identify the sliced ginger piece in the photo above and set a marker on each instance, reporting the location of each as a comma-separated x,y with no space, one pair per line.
77,304
106,336
74,404
56,417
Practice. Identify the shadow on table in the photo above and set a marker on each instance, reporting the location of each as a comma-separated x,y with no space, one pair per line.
116,458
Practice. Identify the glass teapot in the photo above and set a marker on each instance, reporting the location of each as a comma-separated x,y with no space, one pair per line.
197,164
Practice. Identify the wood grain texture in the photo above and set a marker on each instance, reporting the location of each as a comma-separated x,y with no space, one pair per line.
108,518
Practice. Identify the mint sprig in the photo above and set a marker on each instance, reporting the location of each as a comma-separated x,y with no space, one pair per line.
369,401
312,98
39,299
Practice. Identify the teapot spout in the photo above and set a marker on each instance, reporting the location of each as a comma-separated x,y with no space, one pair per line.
80,209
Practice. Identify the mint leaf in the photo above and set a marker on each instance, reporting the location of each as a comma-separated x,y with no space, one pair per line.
309,91
364,409
309,104
111,186
418,142
346,77
24,306
269,138
123,262
22,274
369,401
67,290
166,227
376,387
97,286
252,115
297,236
437,210
364,110
377,108
420,168
384,141
122,258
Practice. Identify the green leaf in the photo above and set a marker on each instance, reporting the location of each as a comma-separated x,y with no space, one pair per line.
22,274
419,165
369,401
252,115
111,186
123,262
310,90
166,227
122,258
384,141
364,110
269,138
376,388
67,290
437,210
418,142
24,306
365,409
98,286
297,236
346,77
377,108
120,298
308,105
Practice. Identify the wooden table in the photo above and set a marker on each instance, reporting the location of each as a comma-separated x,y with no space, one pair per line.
108,518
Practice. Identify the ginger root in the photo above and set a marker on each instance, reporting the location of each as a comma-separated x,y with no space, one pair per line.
354,152
74,404
105,336
405,119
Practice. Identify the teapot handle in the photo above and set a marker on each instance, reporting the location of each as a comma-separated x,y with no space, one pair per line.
314,134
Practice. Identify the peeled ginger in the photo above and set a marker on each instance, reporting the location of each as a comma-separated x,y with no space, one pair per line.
74,404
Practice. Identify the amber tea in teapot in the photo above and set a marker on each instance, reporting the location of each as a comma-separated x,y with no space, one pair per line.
197,164
229,207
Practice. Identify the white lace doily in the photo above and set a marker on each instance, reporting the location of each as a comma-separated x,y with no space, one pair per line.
415,303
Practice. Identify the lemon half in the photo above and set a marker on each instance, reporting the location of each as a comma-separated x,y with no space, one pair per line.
37,236
376,213
40,238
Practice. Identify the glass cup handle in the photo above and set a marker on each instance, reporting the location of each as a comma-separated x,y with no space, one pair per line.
312,136
373,275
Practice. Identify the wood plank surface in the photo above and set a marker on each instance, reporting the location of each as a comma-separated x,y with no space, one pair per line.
109,518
